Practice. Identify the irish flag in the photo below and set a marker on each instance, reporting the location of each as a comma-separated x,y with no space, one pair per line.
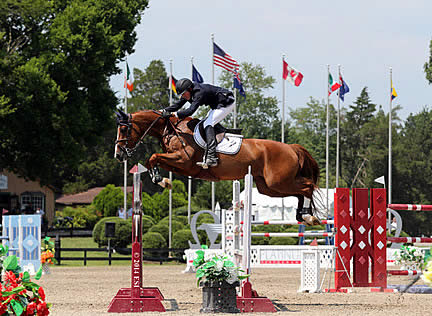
333,86
128,79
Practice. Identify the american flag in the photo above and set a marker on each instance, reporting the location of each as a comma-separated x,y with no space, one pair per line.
224,60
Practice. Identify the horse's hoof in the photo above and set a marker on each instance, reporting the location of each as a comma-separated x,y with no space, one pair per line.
311,220
166,184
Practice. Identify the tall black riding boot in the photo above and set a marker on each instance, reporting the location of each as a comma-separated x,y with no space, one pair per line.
211,159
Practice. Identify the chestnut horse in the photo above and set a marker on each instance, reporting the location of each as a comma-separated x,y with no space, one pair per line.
279,169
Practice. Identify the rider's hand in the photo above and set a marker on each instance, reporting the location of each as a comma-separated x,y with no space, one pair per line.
166,114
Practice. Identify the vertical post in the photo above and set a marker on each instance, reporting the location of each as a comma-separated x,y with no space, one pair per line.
125,167
109,251
190,178
170,175
85,258
342,239
337,129
327,138
390,143
137,252
283,103
247,222
283,125
235,104
57,246
213,82
379,261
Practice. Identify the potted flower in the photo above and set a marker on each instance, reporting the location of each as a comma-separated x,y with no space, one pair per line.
218,277
47,255
410,258
19,295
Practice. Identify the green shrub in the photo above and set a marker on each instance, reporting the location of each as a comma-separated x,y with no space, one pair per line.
260,240
123,229
181,219
163,228
154,240
83,217
180,240
283,241
109,200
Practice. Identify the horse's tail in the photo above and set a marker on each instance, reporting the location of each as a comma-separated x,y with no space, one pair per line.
309,172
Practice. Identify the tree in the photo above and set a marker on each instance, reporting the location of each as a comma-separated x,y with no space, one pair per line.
428,65
56,58
310,132
256,113
355,139
150,88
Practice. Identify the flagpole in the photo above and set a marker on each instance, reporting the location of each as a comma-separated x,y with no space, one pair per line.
390,143
235,103
213,82
327,138
189,177
283,103
125,167
170,173
337,129
283,123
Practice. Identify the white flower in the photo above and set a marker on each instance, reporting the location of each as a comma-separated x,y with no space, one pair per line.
219,265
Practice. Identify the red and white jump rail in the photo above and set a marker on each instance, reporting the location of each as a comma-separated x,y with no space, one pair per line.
410,207
410,239
323,222
305,234
404,272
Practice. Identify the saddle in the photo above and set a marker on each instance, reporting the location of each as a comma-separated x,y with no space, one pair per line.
228,140
220,130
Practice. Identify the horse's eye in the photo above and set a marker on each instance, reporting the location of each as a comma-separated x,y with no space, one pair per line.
123,129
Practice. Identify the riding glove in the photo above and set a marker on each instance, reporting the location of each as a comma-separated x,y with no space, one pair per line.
166,114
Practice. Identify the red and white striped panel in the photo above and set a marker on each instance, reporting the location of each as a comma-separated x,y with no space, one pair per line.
410,207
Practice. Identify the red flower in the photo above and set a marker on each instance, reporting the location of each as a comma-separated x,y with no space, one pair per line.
42,309
31,308
41,293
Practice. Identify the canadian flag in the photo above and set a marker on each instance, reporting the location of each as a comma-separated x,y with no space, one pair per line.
291,74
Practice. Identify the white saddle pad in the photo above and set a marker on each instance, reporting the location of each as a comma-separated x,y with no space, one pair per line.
230,145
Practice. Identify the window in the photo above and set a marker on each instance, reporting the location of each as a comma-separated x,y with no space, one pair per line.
36,199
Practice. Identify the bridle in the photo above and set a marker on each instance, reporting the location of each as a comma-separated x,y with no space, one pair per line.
130,126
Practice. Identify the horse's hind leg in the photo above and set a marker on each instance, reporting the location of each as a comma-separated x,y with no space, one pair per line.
304,211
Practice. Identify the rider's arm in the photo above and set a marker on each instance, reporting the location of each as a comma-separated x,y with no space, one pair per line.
176,106
191,110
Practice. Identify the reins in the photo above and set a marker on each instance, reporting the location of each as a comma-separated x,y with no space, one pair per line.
129,124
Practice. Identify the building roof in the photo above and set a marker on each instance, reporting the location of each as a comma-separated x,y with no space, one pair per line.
86,197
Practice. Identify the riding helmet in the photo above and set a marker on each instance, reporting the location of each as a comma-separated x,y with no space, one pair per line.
182,85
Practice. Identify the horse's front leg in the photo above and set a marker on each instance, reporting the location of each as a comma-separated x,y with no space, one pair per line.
167,162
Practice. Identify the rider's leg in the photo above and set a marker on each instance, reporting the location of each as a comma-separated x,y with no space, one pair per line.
214,117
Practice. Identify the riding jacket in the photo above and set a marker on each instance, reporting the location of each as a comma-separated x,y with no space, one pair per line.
203,94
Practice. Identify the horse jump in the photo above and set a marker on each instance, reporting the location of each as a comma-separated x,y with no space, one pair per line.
368,254
137,298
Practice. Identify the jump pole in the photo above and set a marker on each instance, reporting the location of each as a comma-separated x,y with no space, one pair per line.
137,298
249,300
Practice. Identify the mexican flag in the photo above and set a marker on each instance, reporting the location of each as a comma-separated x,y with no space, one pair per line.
128,79
333,86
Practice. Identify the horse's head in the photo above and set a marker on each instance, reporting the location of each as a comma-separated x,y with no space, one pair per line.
130,131
127,136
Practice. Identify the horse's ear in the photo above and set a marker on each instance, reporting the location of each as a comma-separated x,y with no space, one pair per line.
121,116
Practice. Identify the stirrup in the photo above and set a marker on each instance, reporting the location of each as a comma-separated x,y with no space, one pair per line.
207,163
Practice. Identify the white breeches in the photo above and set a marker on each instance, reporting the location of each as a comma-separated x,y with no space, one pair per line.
217,115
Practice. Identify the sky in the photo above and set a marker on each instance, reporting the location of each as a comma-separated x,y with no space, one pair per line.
365,37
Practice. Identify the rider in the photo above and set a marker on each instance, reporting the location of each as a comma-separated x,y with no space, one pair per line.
220,100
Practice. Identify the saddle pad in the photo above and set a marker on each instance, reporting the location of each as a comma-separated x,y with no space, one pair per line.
229,145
